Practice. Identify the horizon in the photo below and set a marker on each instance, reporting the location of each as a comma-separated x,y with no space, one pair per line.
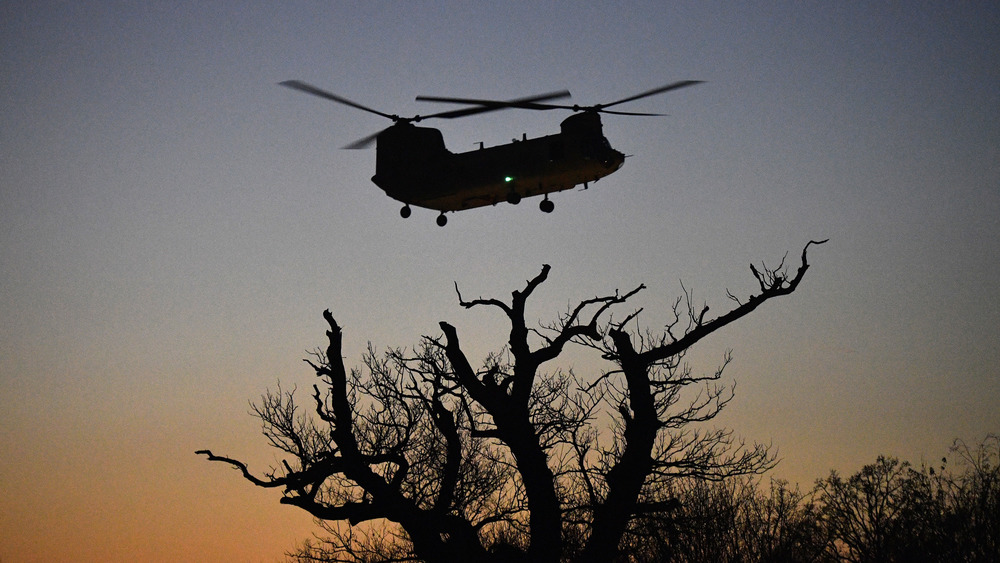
175,221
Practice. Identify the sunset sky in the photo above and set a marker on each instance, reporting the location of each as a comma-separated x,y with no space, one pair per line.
173,223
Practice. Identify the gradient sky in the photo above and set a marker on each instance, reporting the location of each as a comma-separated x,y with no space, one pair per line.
173,223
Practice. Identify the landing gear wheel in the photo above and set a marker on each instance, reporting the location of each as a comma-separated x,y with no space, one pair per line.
405,211
546,205
442,220
513,198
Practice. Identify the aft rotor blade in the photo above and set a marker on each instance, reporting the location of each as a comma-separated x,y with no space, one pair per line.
653,92
491,105
364,142
310,89
591,108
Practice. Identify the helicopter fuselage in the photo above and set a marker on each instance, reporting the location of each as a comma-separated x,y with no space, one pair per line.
414,167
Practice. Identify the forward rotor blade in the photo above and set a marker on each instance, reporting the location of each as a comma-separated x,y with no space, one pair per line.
653,92
310,89
458,113
614,112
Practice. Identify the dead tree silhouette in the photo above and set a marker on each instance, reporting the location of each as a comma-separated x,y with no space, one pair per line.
508,461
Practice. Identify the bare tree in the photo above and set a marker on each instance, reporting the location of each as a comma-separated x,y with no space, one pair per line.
508,461
888,511
891,511
973,499
735,520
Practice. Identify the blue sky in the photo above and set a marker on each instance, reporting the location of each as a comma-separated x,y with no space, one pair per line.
173,223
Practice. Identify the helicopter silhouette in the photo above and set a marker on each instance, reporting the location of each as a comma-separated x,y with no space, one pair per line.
413,166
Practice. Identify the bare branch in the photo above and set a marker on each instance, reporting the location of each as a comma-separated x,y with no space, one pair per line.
772,285
269,483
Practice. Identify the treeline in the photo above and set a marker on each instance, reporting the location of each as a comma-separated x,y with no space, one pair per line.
889,511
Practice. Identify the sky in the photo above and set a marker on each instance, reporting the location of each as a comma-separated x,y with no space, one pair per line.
173,223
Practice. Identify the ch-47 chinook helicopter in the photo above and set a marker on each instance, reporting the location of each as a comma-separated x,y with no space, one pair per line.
413,166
